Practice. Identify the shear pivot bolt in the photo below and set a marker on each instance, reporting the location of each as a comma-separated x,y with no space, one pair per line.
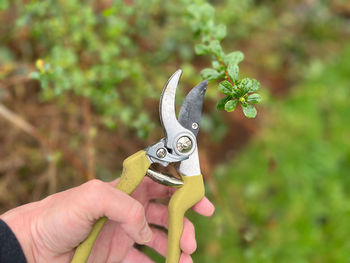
161,153
184,144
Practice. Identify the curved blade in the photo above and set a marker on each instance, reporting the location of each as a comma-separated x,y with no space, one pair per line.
167,112
191,110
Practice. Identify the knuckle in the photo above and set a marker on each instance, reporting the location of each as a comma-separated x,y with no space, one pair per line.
191,240
136,213
189,226
94,185
93,188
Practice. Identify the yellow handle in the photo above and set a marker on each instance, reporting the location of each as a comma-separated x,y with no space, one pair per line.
134,170
183,199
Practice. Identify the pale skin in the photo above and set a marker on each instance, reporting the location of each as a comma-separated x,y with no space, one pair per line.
49,230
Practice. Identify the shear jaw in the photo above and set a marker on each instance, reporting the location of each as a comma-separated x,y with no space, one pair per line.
179,144
177,138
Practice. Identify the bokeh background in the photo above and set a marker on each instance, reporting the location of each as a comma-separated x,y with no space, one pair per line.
280,182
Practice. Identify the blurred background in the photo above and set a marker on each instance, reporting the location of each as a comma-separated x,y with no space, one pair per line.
79,88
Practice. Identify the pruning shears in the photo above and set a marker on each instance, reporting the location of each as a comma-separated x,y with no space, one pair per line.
178,146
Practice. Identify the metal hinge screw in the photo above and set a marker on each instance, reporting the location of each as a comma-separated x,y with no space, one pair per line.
195,125
161,153
184,144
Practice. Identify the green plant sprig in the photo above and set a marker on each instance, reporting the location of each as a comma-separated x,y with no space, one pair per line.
224,66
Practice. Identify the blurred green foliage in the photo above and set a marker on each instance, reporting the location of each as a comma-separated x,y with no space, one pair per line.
119,54
88,53
91,50
286,197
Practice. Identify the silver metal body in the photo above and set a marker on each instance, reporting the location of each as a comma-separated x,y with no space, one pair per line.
179,143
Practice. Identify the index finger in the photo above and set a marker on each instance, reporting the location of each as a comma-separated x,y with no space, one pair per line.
204,207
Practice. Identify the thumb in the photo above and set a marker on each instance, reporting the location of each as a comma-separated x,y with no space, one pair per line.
101,199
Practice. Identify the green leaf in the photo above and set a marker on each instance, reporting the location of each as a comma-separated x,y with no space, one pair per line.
245,85
220,32
109,11
233,71
34,75
201,49
255,86
220,105
4,4
209,74
231,105
236,93
254,98
233,57
206,10
244,104
109,122
215,48
225,87
249,111
215,64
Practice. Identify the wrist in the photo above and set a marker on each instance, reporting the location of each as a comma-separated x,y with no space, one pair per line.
20,221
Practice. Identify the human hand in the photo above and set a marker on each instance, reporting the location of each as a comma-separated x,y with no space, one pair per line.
49,230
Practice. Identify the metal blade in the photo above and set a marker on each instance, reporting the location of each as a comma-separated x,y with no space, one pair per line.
167,113
191,110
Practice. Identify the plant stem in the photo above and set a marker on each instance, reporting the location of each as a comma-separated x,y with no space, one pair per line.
89,146
22,124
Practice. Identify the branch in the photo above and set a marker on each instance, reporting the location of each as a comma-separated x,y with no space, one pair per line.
22,124
14,80
89,146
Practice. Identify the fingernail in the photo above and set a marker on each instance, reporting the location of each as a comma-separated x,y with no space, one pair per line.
146,233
